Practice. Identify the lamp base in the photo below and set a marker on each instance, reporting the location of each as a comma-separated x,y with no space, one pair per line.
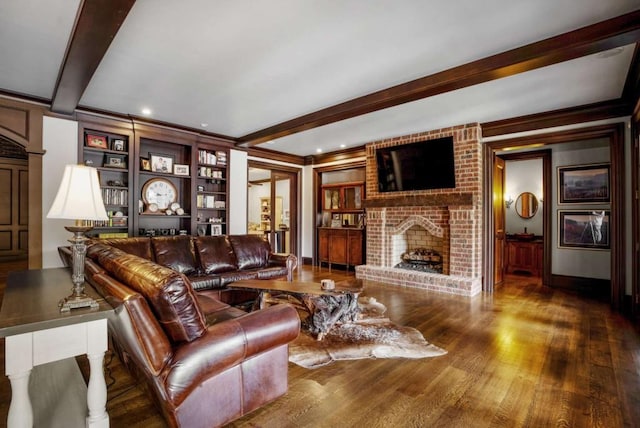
75,302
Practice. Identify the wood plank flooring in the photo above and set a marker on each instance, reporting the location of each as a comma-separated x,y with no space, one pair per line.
525,356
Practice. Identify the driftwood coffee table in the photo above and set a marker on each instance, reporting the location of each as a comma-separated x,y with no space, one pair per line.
325,307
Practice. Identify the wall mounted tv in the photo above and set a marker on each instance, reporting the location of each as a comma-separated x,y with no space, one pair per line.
417,166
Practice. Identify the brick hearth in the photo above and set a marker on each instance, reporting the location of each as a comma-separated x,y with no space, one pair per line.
454,215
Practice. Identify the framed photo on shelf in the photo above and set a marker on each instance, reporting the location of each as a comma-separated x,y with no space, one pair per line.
581,184
216,229
200,188
118,145
96,141
145,165
181,169
114,161
161,163
202,229
584,229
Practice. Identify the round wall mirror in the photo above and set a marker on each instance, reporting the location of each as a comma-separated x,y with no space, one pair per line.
526,205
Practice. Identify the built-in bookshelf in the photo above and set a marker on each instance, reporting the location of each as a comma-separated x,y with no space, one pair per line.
211,192
108,151
156,181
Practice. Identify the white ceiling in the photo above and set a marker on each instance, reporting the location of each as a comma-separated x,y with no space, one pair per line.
241,66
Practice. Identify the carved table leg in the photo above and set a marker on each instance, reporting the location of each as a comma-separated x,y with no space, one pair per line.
97,388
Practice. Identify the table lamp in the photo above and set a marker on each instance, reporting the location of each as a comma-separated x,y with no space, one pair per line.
79,198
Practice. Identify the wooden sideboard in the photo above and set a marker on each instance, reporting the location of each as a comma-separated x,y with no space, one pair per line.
340,245
524,256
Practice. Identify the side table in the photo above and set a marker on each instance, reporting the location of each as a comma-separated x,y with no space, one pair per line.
37,333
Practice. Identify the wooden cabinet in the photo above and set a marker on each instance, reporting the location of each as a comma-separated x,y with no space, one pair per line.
524,256
340,246
342,197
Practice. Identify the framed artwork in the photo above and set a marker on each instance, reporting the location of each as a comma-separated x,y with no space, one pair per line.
584,229
145,165
117,144
97,141
161,163
181,169
114,161
216,229
582,184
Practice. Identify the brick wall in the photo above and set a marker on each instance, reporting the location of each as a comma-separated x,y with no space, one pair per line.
462,224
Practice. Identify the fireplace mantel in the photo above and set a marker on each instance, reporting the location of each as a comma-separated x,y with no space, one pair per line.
443,200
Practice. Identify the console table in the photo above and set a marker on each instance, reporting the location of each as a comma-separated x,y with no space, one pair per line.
37,333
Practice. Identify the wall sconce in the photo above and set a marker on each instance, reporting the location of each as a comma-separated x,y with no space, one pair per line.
508,201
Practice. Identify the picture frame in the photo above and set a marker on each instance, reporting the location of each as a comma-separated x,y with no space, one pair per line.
586,229
582,184
200,188
114,161
216,229
161,162
179,169
96,141
145,164
118,145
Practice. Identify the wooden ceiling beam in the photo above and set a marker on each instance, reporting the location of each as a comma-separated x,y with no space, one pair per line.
602,36
561,117
95,27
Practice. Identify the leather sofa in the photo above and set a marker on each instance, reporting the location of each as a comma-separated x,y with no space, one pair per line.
204,362
211,262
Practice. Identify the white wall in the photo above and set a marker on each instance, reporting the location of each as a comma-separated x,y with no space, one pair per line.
60,142
523,176
308,227
585,263
237,192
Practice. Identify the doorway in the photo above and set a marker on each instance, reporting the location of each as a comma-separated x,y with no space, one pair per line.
272,204
14,194
613,134
523,214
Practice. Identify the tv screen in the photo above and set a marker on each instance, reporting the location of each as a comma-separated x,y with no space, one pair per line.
417,166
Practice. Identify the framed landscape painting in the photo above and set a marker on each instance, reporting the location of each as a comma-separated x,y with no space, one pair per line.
584,229
582,184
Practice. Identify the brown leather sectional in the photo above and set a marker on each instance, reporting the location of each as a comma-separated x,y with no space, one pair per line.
204,362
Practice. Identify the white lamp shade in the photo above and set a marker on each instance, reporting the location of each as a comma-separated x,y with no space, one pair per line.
79,196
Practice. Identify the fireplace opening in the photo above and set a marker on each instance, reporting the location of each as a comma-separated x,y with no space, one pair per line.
421,259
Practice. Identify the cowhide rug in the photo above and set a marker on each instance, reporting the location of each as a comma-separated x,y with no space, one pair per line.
372,336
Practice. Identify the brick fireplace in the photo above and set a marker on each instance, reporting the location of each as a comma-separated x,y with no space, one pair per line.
447,221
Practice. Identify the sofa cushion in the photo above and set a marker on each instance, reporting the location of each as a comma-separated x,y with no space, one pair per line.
169,293
215,254
252,251
175,252
140,246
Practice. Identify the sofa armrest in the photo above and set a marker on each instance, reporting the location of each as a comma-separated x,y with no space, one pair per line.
288,260
65,255
227,344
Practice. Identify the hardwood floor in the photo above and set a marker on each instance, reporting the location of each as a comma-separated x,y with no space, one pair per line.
526,356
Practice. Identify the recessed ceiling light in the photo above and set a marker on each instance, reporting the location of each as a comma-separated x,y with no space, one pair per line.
318,150
146,111
204,125
610,53
342,146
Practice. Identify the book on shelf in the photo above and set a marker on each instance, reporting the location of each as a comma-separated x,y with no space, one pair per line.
113,235
211,157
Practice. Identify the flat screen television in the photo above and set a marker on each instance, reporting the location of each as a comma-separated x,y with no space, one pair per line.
417,166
